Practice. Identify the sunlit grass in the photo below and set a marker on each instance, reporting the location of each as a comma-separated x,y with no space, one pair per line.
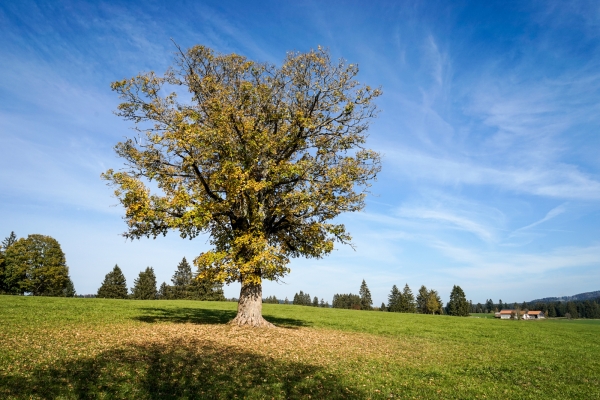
92,348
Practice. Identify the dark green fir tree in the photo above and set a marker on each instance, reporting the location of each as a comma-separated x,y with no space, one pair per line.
165,292
144,287
203,289
366,303
114,285
422,300
407,300
69,290
394,300
182,279
458,304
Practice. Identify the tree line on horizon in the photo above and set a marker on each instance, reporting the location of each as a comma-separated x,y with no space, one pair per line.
185,286
426,302
589,308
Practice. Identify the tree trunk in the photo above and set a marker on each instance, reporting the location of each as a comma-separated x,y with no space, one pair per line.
250,308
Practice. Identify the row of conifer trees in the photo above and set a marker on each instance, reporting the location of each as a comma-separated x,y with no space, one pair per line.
426,302
185,285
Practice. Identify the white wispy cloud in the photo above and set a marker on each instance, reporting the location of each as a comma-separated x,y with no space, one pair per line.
556,211
558,181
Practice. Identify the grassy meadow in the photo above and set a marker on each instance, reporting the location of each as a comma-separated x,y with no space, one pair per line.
111,349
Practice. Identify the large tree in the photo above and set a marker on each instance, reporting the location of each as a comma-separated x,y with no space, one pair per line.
366,303
182,278
394,300
421,302
458,304
407,300
262,158
36,265
144,286
114,285
6,243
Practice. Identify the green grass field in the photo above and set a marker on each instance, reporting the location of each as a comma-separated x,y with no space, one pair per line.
92,348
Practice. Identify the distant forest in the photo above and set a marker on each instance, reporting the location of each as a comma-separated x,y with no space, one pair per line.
578,297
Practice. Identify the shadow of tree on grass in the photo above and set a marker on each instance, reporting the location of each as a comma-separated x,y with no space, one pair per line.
177,369
205,316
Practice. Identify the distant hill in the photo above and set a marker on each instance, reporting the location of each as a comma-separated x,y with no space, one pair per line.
577,297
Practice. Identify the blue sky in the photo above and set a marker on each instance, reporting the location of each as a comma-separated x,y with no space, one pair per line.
488,128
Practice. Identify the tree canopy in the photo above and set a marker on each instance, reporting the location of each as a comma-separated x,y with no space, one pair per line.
262,159
36,265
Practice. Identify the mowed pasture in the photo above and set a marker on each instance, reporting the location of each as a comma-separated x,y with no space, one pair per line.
94,348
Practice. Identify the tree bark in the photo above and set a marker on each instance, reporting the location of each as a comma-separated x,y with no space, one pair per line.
250,308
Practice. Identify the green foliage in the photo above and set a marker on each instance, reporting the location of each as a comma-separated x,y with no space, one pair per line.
348,301
165,292
394,300
202,288
434,303
271,300
315,302
144,287
366,303
69,290
114,285
35,265
572,309
6,243
189,287
458,304
421,302
262,158
403,302
302,299
407,300
182,278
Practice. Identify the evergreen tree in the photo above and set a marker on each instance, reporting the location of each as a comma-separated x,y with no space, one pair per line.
205,289
6,243
394,301
572,309
422,300
315,302
383,307
9,241
347,301
366,302
286,301
458,304
489,305
69,290
407,300
182,279
35,265
144,287
322,304
302,299
164,292
500,305
114,285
